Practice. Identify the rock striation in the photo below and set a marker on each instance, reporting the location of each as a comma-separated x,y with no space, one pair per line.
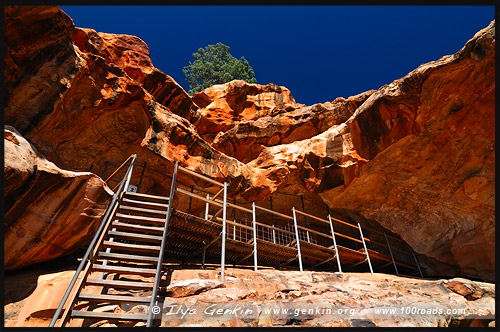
415,157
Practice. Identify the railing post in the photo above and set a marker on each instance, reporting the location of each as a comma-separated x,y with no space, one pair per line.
297,238
206,208
418,265
223,254
254,239
366,250
162,248
335,244
390,252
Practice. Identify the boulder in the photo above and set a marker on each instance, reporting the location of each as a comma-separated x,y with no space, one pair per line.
49,212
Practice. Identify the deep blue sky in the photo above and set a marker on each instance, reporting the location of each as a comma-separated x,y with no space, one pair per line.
318,52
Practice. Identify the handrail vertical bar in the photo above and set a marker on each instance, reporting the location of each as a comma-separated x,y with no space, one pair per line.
223,253
89,249
297,237
162,248
418,265
390,252
335,244
366,250
254,239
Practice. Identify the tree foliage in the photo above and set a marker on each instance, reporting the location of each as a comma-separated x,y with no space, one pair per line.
215,65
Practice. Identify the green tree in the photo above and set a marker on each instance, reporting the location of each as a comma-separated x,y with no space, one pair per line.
215,65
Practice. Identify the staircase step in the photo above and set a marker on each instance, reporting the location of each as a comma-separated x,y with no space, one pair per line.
107,315
130,209
120,284
140,219
138,228
144,203
127,258
113,298
148,197
131,247
124,270
135,236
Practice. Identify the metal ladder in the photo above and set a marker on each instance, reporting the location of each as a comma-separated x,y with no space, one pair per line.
130,242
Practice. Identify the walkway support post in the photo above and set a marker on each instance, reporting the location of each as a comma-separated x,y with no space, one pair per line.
254,238
297,238
234,219
223,254
305,218
390,252
335,243
142,176
418,265
366,250
203,258
190,200
272,220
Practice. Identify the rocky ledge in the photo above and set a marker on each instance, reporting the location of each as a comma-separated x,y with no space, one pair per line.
194,297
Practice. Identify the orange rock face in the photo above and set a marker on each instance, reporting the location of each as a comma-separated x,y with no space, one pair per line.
49,212
224,105
415,157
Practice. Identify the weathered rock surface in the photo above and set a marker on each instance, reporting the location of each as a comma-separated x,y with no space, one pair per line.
284,298
415,157
189,287
224,105
49,212
245,140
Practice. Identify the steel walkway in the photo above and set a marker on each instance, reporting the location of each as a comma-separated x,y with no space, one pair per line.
124,259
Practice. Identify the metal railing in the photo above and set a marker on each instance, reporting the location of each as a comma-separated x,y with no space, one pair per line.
301,233
93,248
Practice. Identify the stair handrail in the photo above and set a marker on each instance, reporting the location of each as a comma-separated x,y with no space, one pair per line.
162,249
116,197
119,168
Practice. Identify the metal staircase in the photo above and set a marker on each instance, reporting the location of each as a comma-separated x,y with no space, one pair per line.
130,242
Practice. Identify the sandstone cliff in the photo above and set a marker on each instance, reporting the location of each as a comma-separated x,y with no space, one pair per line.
415,157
